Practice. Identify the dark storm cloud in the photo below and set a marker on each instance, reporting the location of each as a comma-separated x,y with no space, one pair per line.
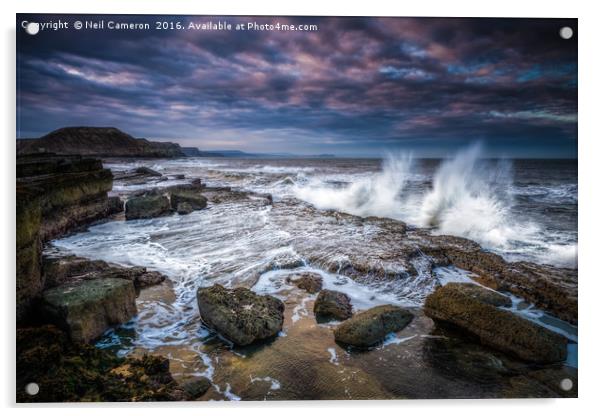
355,86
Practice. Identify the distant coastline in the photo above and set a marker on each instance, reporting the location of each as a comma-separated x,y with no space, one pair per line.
106,142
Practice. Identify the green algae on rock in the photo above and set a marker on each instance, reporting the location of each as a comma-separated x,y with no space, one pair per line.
190,195
55,194
308,281
75,372
331,304
369,327
59,270
184,208
87,309
147,206
239,314
457,304
482,294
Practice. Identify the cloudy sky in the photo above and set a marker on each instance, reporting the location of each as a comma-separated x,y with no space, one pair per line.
354,87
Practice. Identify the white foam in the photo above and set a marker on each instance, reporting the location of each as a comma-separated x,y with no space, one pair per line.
452,274
334,359
377,194
563,255
362,296
227,392
394,339
274,384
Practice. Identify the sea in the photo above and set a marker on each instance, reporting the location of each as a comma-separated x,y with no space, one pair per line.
522,209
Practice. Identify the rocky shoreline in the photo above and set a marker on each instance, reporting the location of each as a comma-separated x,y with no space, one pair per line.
83,298
64,303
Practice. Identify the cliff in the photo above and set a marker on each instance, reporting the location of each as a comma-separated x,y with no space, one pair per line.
55,194
97,142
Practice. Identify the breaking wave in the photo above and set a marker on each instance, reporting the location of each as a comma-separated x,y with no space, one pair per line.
469,196
378,194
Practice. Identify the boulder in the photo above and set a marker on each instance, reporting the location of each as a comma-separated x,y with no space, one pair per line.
60,270
190,195
310,282
552,289
88,308
239,314
195,387
145,278
147,206
482,294
372,326
143,170
184,208
469,308
331,304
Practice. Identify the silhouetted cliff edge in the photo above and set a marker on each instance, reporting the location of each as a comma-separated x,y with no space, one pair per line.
98,142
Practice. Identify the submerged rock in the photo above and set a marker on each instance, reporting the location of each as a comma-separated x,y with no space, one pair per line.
189,195
87,309
184,208
310,282
471,309
196,387
372,326
143,170
331,304
239,314
147,206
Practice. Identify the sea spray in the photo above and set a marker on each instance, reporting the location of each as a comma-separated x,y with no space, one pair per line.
471,197
378,194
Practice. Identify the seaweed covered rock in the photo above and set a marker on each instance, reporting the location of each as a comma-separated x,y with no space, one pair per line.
30,281
59,270
310,282
187,194
73,372
139,176
461,306
143,170
331,304
372,326
88,308
55,195
482,294
195,387
147,206
239,314
553,289
184,208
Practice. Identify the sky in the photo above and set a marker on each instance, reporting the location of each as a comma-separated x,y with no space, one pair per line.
353,87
